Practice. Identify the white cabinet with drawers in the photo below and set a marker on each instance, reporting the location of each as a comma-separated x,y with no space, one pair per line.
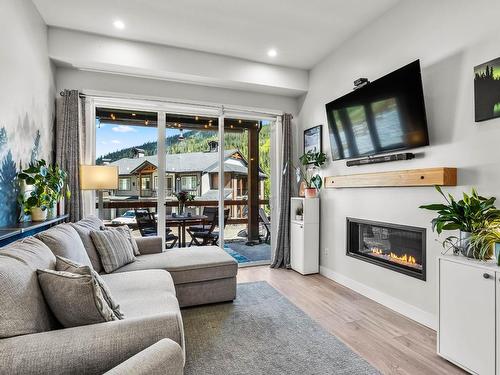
468,317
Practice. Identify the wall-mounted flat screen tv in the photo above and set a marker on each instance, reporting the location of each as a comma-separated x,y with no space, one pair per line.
385,115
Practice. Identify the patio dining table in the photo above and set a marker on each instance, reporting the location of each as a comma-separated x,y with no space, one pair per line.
181,221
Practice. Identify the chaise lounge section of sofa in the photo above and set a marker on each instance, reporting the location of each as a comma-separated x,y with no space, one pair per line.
150,292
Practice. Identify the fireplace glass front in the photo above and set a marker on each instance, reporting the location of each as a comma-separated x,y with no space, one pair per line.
397,247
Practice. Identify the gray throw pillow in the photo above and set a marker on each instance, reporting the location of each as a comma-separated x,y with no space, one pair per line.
114,248
64,241
125,230
63,264
74,299
83,227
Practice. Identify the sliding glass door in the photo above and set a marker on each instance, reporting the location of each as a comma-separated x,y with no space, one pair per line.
201,174
127,139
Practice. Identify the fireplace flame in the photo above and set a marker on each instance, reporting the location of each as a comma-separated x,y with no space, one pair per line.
404,259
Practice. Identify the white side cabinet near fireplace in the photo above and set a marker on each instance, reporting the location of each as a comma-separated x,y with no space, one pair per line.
304,235
469,314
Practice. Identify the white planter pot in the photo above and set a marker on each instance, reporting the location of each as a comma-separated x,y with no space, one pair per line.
298,217
311,192
37,214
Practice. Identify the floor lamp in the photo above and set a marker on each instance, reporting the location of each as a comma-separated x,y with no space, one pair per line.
99,178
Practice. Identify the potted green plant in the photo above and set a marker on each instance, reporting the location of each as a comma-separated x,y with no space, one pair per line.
183,197
469,215
38,198
308,170
299,211
58,189
486,243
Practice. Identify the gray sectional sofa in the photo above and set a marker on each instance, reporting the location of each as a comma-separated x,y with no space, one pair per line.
150,291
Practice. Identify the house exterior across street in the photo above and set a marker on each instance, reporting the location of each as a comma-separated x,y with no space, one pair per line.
196,172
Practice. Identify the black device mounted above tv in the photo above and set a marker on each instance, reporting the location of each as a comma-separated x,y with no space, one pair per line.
380,117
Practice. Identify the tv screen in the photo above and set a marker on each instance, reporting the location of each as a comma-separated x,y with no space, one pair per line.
385,115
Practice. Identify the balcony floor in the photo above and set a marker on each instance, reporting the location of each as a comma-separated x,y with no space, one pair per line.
245,254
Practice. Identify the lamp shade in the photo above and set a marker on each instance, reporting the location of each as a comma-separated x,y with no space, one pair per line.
98,177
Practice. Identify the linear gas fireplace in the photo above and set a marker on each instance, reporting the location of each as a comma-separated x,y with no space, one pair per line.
398,247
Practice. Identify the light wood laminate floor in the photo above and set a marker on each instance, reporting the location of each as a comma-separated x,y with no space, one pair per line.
391,342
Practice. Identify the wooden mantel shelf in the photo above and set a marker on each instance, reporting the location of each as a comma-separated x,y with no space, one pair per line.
411,177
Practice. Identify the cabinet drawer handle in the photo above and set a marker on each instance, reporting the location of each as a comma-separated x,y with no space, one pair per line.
486,275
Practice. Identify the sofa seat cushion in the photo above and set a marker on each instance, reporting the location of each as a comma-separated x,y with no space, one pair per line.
65,241
23,309
143,293
188,265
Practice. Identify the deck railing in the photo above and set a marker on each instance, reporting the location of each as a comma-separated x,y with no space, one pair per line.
234,219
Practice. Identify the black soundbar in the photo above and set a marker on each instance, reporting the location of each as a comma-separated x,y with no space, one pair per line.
380,159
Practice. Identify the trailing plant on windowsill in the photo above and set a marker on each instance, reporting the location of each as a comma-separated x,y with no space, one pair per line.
470,215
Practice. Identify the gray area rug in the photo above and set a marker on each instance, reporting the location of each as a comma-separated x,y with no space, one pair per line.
261,332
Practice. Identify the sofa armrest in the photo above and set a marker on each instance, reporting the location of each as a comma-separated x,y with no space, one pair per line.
163,358
149,245
92,349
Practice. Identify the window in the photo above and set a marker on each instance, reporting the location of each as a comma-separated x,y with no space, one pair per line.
155,183
169,185
189,183
124,183
146,183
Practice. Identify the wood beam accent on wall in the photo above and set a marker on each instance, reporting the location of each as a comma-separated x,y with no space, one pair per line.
413,177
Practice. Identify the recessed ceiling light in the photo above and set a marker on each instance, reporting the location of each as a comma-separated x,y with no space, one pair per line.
272,53
119,24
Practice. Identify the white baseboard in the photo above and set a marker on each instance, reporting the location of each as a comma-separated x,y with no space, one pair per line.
410,311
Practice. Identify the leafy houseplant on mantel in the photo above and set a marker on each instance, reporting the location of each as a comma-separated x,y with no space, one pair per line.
183,197
308,170
56,181
47,187
471,215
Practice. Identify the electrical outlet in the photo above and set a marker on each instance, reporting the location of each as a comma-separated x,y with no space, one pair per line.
325,252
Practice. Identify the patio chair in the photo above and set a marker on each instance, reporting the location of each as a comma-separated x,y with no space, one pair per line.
266,223
148,227
210,213
210,236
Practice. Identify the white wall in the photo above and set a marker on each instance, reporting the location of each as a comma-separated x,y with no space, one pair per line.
450,37
69,78
101,53
26,95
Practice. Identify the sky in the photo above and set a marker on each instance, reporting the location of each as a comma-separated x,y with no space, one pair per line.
111,137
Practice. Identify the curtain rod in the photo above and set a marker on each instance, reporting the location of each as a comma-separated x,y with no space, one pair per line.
172,101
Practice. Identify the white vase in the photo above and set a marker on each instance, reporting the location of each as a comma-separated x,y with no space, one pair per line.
37,214
52,211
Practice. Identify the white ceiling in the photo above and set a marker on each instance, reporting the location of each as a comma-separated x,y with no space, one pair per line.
302,31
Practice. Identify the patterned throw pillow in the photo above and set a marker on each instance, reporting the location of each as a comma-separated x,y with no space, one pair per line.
114,249
74,299
63,264
125,230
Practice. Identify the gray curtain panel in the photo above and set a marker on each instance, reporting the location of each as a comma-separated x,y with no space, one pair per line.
282,254
68,148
